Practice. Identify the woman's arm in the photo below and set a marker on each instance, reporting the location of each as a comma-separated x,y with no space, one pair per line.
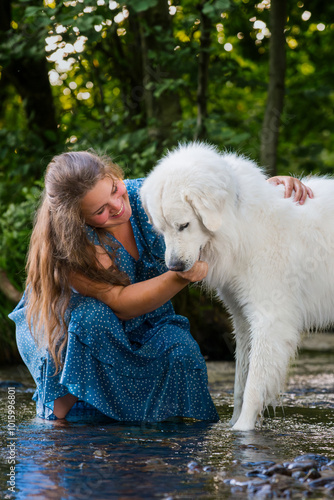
292,184
130,301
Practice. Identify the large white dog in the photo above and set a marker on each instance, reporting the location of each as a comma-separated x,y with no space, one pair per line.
270,260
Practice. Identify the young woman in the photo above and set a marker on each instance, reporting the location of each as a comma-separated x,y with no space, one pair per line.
96,327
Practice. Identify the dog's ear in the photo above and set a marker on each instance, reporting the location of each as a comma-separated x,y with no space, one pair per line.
207,206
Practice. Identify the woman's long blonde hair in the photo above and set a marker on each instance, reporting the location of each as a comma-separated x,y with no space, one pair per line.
59,245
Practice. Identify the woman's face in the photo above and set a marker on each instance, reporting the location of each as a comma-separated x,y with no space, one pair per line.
107,204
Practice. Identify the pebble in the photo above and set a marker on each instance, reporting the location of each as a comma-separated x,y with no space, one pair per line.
327,482
100,454
194,467
303,476
301,465
312,474
276,469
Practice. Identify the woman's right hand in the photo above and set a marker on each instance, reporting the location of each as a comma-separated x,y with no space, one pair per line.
133,300
197,273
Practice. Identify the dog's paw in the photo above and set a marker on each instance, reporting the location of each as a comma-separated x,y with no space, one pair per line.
243,425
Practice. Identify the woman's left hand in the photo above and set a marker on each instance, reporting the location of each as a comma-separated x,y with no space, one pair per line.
292,184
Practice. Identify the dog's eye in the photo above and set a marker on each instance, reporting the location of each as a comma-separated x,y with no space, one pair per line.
183,226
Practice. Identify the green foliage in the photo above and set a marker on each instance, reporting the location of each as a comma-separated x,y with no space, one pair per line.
141,5
8,352
15,229
211,9
27,33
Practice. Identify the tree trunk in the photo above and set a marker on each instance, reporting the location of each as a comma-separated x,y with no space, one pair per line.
203,74
164,110
30,78
125,62
277,63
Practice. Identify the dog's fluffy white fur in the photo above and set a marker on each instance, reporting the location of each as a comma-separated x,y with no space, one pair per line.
270,260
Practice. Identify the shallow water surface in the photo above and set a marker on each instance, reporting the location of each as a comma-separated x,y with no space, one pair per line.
172,460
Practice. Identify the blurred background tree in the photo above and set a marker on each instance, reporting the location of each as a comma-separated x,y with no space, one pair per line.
133,78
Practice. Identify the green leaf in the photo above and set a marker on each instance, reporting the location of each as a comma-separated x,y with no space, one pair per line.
223,4
33,11
142,5
216,7
208,9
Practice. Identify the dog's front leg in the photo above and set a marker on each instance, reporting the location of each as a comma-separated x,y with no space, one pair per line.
241,332
272,346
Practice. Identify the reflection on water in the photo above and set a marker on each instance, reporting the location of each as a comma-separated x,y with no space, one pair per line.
172,460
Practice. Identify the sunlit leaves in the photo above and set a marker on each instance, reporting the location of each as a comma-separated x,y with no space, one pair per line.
50,3
306,68
306,15
81,47
182,36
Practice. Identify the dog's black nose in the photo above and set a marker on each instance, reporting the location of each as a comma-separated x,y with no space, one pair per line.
176,265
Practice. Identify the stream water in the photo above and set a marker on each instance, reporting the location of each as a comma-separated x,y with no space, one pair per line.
176,460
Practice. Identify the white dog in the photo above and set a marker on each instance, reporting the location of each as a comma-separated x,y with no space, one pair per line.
270,260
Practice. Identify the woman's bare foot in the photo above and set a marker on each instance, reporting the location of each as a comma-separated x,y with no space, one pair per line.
63,405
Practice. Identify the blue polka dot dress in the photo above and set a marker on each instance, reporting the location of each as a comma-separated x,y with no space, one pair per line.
146,369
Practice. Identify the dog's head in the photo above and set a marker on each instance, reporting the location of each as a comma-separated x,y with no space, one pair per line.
184,198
